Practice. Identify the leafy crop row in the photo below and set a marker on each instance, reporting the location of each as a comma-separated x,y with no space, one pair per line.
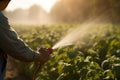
98,61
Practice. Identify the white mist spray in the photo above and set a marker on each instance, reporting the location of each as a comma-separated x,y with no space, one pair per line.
80,34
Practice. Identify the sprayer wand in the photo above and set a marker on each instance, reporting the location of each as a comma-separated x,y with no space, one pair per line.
50,50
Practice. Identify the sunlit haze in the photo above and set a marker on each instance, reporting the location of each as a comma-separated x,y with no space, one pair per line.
25,4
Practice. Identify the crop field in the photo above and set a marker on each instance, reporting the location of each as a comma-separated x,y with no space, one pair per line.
94,52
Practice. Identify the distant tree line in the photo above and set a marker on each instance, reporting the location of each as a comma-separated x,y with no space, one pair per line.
82,10
72,11
34,15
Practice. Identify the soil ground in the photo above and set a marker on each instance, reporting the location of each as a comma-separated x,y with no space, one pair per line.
12,72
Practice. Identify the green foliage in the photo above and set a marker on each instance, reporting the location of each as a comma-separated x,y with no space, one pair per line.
99,61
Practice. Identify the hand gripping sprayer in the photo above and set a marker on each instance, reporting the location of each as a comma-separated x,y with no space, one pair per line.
50,51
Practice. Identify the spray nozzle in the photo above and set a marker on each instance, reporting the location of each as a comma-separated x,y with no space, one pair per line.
44,50
50,50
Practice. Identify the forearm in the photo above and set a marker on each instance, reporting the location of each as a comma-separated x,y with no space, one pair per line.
12,45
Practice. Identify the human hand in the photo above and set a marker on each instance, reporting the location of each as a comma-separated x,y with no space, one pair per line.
42,56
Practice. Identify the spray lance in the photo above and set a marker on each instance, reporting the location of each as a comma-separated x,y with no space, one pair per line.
50,51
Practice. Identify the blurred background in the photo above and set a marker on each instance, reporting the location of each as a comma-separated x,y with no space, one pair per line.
62,11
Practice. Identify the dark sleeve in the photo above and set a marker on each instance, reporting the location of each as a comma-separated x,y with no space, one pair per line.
11,44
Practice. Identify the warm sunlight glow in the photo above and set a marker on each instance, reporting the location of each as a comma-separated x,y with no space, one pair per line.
24,4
